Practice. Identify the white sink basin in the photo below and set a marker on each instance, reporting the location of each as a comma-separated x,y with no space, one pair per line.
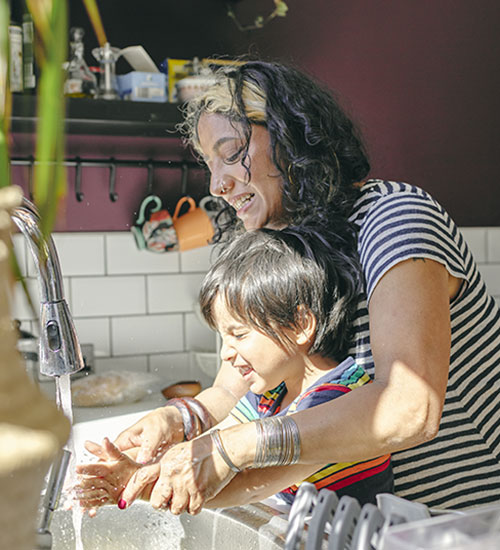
142,527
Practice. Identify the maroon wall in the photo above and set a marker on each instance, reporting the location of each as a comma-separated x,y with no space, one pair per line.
420,76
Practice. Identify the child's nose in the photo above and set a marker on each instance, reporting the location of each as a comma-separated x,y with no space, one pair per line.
227,352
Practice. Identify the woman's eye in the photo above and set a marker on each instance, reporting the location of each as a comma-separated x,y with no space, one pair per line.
232,158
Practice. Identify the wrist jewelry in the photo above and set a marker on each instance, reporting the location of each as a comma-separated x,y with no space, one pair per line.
195,417
190,421
278,442
200,411
217,441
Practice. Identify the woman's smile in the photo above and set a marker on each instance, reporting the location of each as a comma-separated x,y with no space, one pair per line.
252,185
242,202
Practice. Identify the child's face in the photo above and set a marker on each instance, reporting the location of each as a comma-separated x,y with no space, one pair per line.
260,360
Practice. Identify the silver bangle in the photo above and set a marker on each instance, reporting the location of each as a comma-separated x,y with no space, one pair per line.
278,442
215,436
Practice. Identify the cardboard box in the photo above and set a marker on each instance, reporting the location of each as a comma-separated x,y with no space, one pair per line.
140,86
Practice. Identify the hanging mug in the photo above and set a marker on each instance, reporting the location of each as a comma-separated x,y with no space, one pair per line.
194,228
153,230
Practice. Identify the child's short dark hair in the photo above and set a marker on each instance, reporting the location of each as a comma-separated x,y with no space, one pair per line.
267,277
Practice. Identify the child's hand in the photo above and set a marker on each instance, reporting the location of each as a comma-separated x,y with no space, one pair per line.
103,482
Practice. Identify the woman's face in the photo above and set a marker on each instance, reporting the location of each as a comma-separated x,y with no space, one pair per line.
258,199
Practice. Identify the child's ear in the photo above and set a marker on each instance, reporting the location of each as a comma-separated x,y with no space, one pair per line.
306,326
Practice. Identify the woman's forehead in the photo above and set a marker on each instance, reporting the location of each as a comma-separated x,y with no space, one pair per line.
214,130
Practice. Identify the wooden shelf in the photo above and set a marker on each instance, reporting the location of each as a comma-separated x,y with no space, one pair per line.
103,117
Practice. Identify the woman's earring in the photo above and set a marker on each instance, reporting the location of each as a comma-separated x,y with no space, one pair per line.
222,189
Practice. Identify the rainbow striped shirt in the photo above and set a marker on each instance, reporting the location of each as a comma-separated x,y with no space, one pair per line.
362,480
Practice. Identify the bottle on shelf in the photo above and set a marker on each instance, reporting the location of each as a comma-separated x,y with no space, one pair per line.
80,81
15,57
29,74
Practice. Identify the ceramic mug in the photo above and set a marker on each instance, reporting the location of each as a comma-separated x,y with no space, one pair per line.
194,228
153,230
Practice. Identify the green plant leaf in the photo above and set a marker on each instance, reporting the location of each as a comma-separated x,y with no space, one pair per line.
49,175
4,94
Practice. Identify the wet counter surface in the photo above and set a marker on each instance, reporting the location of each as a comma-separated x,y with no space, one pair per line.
85,414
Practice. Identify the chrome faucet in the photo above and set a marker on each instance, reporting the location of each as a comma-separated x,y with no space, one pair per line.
59,349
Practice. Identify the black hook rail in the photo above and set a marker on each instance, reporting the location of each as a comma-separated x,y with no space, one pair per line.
111,163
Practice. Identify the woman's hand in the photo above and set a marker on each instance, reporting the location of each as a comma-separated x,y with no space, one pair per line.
191,473
153,434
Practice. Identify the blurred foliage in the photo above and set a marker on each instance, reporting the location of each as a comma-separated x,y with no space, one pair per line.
51,22
280,10
50,18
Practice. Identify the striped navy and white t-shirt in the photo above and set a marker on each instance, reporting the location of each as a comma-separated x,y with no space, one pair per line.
461,466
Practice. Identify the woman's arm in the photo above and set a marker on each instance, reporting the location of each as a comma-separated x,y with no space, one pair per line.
410,338
256,485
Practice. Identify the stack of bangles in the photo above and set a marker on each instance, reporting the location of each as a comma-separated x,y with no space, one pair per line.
195,417
278,443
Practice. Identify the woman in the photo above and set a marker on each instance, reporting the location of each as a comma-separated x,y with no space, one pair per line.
281,151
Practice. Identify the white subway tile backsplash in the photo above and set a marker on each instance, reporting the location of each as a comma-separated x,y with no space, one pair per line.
172,367
20,250
476,239
197,259
171,293
178,367
95,331
147,334
107,296
136,363
199,337
493,238
124,257
80,253
19,304
491,275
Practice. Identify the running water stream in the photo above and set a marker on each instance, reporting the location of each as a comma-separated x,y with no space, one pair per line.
63,400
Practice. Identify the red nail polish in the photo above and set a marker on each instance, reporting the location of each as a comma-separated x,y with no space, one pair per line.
122,504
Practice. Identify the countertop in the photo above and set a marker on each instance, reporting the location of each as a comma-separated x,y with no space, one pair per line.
85,414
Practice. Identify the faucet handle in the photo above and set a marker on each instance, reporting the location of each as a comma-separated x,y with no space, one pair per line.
60,351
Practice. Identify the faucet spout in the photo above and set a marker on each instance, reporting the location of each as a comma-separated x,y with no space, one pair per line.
50,502
60,351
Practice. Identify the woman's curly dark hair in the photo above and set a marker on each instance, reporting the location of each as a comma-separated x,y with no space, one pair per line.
315,145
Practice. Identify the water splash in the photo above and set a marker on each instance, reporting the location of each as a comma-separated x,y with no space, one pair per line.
63,400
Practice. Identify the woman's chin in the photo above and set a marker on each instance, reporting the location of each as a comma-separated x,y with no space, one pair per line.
250,224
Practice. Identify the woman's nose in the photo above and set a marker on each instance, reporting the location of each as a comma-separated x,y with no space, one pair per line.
220,185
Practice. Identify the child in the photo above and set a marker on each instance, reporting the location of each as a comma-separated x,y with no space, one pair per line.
282,302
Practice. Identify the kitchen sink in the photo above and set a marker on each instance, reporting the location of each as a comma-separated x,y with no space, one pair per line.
141,527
